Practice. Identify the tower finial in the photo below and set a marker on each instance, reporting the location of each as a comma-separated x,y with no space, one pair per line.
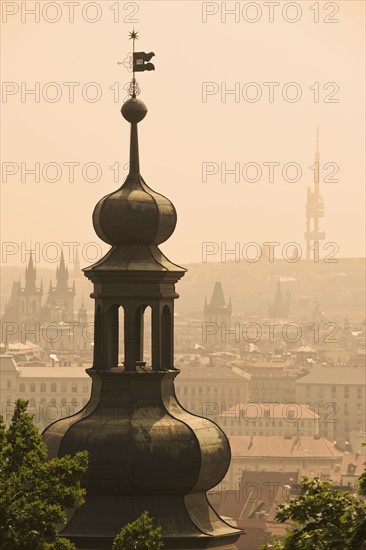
134,88
140,62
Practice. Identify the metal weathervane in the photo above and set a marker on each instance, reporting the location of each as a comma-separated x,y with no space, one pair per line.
140,62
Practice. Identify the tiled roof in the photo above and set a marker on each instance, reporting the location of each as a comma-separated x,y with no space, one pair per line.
358,460
277,446
7,363
210,373
53,372
335,375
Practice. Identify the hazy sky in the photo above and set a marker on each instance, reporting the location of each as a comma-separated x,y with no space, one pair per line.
183,129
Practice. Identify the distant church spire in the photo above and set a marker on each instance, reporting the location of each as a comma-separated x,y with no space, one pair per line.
279,308
217,298
62,295
217,312
77,271
62,275
30,276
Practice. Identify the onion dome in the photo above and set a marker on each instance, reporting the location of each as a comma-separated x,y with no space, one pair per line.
134,213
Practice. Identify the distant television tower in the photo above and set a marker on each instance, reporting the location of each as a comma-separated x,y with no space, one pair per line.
314,211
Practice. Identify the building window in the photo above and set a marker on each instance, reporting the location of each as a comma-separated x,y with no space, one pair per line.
85,388
43,387
334,391
200,391
32,388
346,392
53,387
74,402
63,387
32,403
8,384
74,388
63,402
193,391
359,393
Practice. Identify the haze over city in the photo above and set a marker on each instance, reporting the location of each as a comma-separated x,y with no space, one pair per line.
197,124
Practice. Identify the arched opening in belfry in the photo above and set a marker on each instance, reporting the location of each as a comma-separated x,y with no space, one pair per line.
97,360
141,334
147,339
119,327
111,337
167,338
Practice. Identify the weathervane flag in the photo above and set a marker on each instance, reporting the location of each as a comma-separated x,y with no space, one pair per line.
140,60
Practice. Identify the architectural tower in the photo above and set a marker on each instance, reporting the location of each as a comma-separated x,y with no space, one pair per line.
145,451
61,296
82,313
217,313
30,297
281,304
314,211
77,270
25,303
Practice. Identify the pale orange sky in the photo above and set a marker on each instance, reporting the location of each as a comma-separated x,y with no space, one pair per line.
181,131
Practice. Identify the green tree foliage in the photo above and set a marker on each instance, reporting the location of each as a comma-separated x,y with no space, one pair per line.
362,480
322,518
139,535
35,491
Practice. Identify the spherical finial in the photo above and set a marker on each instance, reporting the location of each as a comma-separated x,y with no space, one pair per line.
134,110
